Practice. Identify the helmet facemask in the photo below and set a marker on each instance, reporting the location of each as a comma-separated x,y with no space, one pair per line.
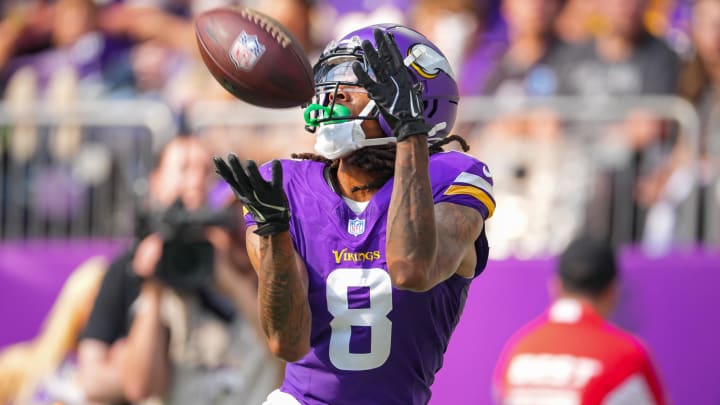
332,73
338,131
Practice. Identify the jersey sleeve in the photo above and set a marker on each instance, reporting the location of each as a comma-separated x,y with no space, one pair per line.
464,180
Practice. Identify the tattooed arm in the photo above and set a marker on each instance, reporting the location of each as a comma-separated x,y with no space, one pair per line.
426,243
282,294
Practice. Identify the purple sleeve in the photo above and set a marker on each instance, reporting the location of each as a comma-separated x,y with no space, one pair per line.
468,182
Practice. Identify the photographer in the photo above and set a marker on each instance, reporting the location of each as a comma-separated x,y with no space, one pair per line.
176,316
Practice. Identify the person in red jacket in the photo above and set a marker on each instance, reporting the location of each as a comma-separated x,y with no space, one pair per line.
571,355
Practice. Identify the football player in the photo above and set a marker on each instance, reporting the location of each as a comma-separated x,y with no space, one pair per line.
365,251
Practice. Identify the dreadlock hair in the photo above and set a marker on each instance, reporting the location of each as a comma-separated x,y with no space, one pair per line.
379,160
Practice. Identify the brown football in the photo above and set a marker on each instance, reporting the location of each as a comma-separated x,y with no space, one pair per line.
254,57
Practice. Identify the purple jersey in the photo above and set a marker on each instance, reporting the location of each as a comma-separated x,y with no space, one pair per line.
371,343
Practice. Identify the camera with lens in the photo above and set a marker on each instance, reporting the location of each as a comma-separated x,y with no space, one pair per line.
188,258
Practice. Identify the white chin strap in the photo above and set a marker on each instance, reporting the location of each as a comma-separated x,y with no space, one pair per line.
391,139
375,141
362,142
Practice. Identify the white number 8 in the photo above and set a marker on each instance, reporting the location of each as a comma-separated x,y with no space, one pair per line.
374,316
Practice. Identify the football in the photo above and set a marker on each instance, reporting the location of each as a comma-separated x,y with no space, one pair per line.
254,57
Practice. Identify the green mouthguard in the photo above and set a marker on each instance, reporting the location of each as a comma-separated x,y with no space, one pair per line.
338,111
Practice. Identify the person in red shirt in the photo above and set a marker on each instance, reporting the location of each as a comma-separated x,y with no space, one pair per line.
571,355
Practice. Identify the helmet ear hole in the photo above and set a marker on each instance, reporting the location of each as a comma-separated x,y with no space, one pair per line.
434,108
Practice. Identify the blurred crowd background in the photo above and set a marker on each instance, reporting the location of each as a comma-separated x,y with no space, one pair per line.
594,115
74,73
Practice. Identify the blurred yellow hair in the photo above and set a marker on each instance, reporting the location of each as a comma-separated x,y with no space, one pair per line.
24,364
656,18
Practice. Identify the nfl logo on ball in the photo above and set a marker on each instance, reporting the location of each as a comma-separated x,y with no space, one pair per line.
356,226
246,51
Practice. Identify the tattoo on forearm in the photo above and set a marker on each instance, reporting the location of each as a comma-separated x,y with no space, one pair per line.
411,223
282,301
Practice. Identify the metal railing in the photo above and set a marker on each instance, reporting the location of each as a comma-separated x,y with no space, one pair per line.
520,227
547,187
75,170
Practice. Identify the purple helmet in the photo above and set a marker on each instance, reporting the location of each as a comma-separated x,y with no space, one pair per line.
440,90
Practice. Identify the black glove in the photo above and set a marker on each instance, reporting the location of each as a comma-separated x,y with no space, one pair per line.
393,90
266,201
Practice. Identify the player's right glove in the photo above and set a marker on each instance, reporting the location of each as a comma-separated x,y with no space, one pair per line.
265,200
393,90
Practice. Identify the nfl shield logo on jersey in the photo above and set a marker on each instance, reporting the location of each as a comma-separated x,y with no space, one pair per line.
246,51
356,226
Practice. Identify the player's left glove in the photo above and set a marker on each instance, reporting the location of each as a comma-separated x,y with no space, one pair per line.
265,200
393,90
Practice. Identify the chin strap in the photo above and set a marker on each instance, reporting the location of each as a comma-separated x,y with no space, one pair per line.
391,139
375,141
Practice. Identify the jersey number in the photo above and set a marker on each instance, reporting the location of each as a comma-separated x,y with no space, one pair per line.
376,284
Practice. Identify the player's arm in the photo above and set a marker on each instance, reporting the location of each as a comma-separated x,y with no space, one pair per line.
282,278
413,235
282,294
426,243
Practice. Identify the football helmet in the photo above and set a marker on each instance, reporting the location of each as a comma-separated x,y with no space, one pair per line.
424,60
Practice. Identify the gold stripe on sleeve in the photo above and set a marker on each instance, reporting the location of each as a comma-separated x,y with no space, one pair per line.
474,192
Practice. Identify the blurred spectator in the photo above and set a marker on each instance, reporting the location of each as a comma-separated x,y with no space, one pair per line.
535,60
171,22
44,370
79,64
167,22
625,59
167,75
570,354
25,27
674,24
296,16
196,343
534,65
346,16
451,25
700,76
483,49
79,54
663,16
165,58
541,171
577,21
699,84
